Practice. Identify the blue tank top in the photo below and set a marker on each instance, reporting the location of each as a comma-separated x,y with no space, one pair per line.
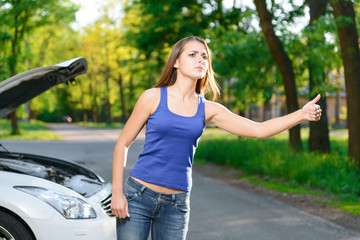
170,144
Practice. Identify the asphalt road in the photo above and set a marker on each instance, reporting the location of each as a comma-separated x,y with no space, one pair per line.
218,211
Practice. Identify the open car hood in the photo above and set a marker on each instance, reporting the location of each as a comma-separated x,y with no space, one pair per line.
27,85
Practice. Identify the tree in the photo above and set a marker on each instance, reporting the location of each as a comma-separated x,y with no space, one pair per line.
153,27
22,16
319,131
344,15
244,66
285,65
241,59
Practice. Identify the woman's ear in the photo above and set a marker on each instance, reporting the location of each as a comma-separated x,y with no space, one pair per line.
176,64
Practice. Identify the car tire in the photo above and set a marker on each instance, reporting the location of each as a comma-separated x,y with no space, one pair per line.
12,229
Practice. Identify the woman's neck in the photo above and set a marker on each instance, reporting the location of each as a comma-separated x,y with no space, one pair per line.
184,90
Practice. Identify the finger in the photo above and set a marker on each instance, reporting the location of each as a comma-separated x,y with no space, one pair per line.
316,99
127,212
315,111
127,209
113,211
117,213
121,214
314,114
318,108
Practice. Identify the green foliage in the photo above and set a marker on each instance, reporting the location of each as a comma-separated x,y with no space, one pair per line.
33,130
20,18
322,54
272,157
152,28
162,22
245,66
343,21
126,54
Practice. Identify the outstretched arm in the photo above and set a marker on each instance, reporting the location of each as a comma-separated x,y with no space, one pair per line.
219,116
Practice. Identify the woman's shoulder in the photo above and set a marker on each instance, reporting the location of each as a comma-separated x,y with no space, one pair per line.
213,108
212,105
151,94
151,97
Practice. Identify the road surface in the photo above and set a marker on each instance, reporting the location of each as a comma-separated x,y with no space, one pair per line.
218,211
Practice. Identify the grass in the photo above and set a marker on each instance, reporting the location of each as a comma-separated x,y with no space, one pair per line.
37,130
272,164
33,130
278,186
101,125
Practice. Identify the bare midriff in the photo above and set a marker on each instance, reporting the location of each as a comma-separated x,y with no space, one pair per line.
158,188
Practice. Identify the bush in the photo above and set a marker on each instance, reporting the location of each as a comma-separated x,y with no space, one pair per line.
273,158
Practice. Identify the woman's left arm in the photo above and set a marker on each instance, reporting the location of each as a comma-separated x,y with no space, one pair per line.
219,116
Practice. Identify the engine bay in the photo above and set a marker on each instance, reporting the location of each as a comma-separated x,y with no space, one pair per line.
67,177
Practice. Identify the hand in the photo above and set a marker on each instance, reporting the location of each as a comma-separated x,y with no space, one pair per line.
119,206
312,111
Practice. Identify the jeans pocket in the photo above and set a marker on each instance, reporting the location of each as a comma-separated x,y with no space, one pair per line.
130,192
182,208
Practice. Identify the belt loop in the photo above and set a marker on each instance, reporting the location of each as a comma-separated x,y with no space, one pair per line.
142,189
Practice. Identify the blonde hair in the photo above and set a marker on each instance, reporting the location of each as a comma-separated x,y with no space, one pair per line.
169,74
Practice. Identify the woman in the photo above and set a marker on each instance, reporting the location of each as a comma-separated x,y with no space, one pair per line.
156,195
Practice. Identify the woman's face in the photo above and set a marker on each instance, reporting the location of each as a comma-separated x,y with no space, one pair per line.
193,61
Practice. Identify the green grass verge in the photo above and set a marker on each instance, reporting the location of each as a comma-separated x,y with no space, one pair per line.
279,186
33,130
287,170
101,125
351,206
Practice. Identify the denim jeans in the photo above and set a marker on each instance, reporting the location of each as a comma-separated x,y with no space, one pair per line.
166,215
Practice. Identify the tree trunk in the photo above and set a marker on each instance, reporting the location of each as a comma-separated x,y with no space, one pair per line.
14,125
337,104
319,131
122,99
94,95
131,95
285,66
12,65
343,11
107,106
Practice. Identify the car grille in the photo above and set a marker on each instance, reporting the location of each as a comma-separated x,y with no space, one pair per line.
106,205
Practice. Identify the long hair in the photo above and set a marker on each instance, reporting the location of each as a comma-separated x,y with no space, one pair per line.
169,74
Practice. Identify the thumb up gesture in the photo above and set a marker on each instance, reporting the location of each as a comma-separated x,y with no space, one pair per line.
312,111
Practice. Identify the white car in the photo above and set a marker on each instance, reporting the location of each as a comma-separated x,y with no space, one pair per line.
45,198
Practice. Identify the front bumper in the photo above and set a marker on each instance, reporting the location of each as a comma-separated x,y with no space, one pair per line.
60,228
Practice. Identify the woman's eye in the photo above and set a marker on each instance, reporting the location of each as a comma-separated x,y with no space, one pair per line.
192,54
204,57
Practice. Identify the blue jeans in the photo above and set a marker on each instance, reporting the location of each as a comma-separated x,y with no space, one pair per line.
166,215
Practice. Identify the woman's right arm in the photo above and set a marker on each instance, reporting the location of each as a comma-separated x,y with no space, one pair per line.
144,107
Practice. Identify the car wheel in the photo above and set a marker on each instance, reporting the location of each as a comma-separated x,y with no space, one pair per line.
12,229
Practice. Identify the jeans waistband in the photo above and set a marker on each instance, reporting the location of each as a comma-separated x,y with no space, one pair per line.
183,196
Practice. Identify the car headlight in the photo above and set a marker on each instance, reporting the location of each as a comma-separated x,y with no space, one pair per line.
70,207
